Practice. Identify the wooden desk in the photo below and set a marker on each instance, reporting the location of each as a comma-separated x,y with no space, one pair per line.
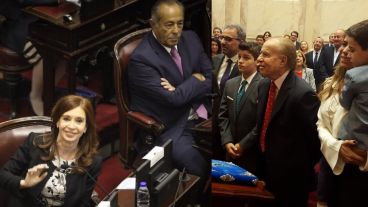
96,28
183,198
90,32
238,195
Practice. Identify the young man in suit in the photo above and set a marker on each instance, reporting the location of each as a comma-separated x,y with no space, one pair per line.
286,126
314,61
237,114
169,79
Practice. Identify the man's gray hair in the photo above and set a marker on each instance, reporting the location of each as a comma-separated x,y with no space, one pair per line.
239,30
155,16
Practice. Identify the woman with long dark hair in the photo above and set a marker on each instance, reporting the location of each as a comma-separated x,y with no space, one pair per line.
58,168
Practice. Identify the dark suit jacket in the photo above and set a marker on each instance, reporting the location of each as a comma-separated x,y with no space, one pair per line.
150,62
327,59
319,71
297,45
234,127
79,186
216,63
218,151
292,143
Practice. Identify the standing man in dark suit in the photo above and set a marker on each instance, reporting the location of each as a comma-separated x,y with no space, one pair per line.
237,114
331,55
224,67
330,40
294,38
225,64
286,125
314,61
169,78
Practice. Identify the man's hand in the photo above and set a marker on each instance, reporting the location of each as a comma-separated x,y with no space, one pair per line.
349,153
232,150
165,83
34,175
199,76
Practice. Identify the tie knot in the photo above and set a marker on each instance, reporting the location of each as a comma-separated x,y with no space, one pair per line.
174,51
229,61
273,86
244,83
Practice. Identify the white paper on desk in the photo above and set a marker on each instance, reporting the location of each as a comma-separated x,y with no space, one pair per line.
104,204
154,155
127,183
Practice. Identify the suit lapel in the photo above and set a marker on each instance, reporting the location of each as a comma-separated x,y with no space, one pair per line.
337,59
283,93
234,88
217,63
166,60
234,71
250,90
184,54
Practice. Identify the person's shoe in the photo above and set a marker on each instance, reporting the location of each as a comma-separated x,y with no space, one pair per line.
10,58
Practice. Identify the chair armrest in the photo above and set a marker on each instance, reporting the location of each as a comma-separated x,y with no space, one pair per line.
146,122
203,138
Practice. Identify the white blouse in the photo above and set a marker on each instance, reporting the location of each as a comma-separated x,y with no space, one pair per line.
330,114
53,193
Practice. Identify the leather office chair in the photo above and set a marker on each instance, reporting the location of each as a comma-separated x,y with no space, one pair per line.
129,120
13,133
12,65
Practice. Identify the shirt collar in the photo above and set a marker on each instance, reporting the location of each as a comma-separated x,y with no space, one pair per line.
168,49
249,79
233,58
278,82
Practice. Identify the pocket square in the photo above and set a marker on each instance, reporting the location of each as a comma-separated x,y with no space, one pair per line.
228,97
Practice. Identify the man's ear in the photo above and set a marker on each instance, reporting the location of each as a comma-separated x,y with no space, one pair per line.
284,60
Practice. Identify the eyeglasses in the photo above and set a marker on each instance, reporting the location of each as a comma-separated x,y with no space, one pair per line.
228,39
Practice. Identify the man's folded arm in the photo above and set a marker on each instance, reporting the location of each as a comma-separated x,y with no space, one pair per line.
146,81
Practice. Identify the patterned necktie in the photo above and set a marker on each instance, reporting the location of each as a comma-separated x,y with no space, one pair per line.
267,116
315,59
177,59
240,95
226,74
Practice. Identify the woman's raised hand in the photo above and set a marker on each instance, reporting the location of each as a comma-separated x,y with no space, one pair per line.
34,175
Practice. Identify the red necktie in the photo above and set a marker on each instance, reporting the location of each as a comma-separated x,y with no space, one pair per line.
267,116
